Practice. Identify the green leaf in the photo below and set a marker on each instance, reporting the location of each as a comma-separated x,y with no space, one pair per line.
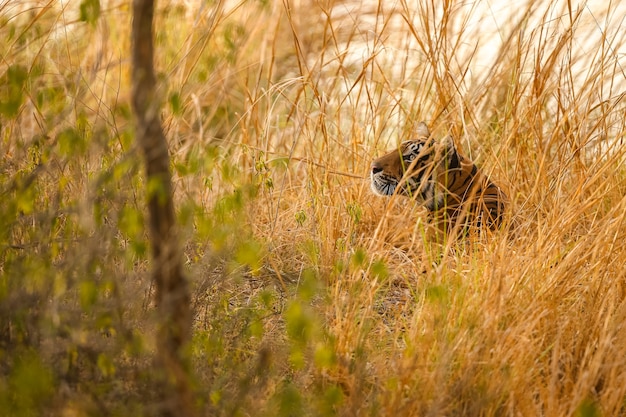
588,408
296,357
325,356
71,142
157,187
90,11
299,323
267,298
30,386
437,293
280,162
215,397
250,253
134,344
176,104
88,293
359,257
300,217
291,403
256,329
379,269
355,212
26,200
11,90
331,399
105,365
130,222
181,169
309,285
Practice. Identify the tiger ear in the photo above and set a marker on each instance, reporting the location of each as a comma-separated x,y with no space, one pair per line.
448,144
450,152
422,130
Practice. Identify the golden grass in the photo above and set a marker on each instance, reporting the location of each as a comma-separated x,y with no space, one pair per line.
298,98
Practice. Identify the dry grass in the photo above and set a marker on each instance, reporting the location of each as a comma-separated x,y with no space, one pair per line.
339,298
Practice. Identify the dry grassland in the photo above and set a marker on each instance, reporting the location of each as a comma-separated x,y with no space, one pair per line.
312,295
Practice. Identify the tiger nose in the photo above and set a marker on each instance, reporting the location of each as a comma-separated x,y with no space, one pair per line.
376,168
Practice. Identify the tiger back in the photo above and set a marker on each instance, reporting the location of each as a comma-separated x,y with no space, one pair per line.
438,177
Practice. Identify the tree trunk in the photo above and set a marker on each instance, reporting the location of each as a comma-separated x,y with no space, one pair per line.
172,294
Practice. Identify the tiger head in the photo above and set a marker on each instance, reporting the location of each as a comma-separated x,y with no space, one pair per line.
414,169
439,178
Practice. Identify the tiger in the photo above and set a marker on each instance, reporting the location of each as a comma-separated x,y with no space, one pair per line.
442,180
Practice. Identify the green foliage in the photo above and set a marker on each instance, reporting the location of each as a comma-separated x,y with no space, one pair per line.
176,103
437,294
588,408
250,253
299,322
12,84
330,401
105,365
26,198
290,401
131,225
233,36
71,142
309,285
300,217
90,11
359,258
88,293
379,269
355,212
28,388
325,356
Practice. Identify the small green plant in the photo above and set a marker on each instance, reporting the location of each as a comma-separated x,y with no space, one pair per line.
355,212
300,217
